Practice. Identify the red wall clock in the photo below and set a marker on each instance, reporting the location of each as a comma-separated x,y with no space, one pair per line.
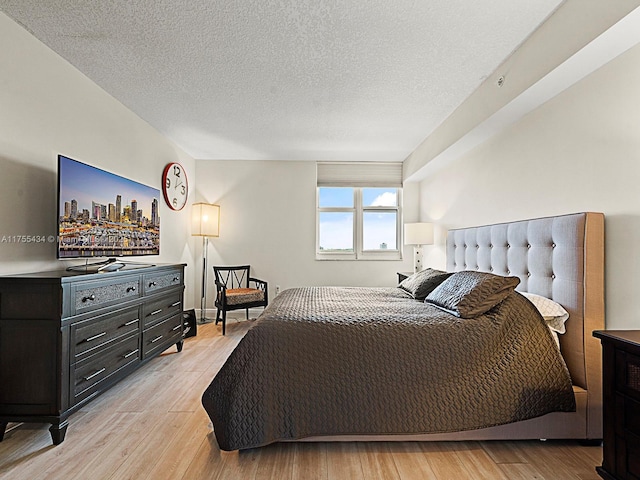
175,186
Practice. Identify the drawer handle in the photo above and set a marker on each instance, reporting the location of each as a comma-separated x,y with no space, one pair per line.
131,322
133,352
175,304
152,284
95,374
90,339
176,328
175,279
131,289
90,297
156,339
155,312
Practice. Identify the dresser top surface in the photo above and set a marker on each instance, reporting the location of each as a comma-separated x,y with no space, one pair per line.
625,336
66,275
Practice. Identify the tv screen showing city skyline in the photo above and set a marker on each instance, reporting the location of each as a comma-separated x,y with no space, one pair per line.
101,214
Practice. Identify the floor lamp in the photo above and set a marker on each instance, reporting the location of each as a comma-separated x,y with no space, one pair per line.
418,234
205,223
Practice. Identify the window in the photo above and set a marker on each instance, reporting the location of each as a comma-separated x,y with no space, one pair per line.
359,210
358,223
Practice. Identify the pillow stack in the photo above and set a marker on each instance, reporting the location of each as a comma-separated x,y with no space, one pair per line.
422,283
468,294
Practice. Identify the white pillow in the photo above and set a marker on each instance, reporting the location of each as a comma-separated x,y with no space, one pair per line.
552,312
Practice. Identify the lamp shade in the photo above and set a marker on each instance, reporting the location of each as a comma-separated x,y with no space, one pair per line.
418,233
205,220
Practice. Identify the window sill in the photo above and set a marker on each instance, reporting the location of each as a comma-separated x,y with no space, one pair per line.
392,256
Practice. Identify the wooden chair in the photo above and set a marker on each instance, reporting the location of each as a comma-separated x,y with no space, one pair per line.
234,292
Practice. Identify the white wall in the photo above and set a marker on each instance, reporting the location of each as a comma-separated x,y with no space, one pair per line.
47,107
268,215
578,152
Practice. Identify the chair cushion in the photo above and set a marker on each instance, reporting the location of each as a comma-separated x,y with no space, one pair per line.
238,296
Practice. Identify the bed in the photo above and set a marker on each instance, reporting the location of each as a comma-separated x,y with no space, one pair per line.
331,363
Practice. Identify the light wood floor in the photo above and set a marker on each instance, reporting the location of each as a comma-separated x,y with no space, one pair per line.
152,426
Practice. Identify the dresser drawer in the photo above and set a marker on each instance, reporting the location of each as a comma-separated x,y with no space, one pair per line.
155,310
161,335
90,335
155,282
628,374
88,375
628,460
627,415
93,295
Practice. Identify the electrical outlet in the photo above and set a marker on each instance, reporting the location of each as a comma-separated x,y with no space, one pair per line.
277,289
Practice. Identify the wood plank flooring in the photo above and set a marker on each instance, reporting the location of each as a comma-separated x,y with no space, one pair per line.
152,426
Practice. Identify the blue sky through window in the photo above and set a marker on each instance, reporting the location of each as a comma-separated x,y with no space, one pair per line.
378,227
336,231
379,230
335,197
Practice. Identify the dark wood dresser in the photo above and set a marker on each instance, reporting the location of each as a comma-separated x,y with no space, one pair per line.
621,404
66,337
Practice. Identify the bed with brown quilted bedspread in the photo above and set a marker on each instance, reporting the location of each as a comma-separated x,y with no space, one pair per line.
344,360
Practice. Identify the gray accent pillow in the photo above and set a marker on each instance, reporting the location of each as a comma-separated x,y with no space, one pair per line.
420,284
469,294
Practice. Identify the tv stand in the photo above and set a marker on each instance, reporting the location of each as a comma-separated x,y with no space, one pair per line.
67,336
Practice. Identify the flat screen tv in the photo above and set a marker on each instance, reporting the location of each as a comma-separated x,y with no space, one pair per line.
101,214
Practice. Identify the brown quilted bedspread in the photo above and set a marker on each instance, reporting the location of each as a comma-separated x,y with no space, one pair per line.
340,360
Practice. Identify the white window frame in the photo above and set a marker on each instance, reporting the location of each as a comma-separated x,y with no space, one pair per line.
358,211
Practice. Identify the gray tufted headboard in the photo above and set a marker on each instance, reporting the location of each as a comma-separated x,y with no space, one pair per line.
561,258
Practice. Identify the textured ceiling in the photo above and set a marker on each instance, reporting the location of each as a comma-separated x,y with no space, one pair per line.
286,79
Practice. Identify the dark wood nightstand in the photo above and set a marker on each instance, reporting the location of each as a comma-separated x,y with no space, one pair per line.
621,403
403,275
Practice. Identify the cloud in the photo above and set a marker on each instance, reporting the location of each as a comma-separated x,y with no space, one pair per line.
387,199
